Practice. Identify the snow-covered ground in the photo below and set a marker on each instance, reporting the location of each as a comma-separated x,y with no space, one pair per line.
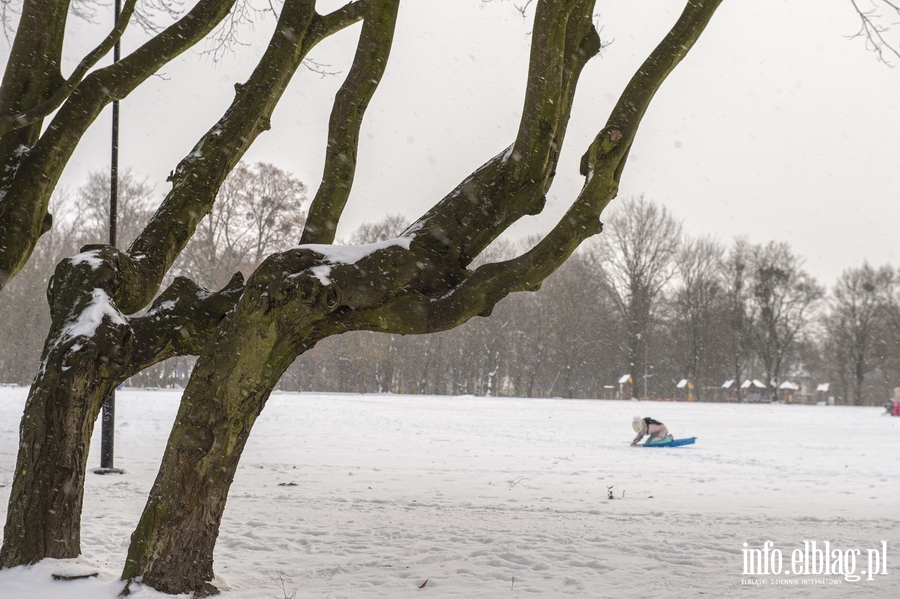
348,496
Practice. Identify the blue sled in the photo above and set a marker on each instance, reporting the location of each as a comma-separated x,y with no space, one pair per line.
672,443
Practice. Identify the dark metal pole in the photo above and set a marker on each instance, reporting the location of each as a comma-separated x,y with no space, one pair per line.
108,420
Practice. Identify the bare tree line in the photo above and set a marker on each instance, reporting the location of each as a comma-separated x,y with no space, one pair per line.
644,301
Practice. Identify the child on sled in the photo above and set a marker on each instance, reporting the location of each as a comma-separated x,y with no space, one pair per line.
648,426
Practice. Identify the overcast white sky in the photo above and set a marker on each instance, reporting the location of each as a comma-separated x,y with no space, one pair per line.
776,126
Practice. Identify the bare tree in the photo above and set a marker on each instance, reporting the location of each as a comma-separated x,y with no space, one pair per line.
857,325
259,210
133,212
701,306
387,228
782,297
638,257
736,272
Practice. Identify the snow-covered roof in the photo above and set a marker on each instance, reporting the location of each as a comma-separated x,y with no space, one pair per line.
625,378
727,384
681,384
823,387
754,383
789,385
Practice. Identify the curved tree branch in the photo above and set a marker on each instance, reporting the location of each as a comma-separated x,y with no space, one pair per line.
347,114
179,322
613,143
513,184
23,119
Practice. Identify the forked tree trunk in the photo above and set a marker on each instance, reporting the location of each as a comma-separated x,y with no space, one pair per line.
85,357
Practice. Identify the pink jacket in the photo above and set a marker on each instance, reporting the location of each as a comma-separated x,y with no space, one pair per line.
654,430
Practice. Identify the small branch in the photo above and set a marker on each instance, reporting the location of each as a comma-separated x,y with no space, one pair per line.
873,33
514,482
523,10
319,67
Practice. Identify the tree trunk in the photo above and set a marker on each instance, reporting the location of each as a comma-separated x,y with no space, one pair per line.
172,547
44,518
76,374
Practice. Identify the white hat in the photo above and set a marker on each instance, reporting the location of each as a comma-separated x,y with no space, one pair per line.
637,424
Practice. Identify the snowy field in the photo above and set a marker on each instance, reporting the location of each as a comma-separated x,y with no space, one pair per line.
347,496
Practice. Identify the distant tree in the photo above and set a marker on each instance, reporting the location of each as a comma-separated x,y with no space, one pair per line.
858,325
781,300
583,343
388,227
532,343
736,272
260,209
701,308
134,207
638,255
